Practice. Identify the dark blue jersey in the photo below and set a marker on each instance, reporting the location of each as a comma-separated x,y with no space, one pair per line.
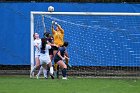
62,52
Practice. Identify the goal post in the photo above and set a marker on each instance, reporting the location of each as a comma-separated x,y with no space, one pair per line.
105,46
31,41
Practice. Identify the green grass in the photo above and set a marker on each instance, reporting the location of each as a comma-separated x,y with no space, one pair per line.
23,84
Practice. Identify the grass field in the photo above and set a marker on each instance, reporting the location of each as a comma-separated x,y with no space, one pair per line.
23,84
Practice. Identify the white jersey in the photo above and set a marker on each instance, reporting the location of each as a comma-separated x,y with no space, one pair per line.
44,57
37,42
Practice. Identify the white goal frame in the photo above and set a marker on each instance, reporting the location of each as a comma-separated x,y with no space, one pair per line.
32,13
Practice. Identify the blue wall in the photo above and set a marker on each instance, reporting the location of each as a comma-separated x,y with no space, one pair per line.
15,27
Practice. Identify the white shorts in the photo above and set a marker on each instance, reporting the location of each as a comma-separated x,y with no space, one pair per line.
44,60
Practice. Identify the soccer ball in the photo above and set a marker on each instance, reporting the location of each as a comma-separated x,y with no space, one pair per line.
50,8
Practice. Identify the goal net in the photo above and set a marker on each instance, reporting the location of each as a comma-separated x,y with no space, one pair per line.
100,44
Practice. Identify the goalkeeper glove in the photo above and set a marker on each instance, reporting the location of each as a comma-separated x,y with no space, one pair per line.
53,22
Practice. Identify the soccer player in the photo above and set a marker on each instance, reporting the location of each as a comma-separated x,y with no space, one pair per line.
49,38
60,57
37,44
45,58
58,36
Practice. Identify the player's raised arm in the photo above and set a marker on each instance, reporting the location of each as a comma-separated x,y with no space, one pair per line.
53,31
59,27
44,24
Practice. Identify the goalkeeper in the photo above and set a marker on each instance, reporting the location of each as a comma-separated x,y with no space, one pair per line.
58,36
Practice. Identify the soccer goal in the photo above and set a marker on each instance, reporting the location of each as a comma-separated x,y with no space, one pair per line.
101,44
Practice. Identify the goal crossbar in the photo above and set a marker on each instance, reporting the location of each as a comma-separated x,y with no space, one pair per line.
88,13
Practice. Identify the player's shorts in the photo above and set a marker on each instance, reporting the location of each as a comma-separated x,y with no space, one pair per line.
51,51
44,60
57,59
54,48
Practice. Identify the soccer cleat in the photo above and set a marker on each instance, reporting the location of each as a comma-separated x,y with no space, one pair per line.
46,77
37,77
31,75
65,78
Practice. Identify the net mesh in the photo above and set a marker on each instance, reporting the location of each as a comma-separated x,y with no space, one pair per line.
98,45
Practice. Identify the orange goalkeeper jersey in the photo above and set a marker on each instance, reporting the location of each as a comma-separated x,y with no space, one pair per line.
58,36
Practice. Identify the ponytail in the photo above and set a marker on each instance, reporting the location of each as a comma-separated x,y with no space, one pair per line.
43,45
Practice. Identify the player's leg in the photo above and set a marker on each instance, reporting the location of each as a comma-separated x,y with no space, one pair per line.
57,72
45,69
64,68
51,69
39,72
56,67
36,66
51,57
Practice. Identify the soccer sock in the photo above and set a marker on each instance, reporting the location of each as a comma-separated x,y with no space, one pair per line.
67,61
51,70
33,69
45,72
55,66
40,71
64,71
57,73
55,70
